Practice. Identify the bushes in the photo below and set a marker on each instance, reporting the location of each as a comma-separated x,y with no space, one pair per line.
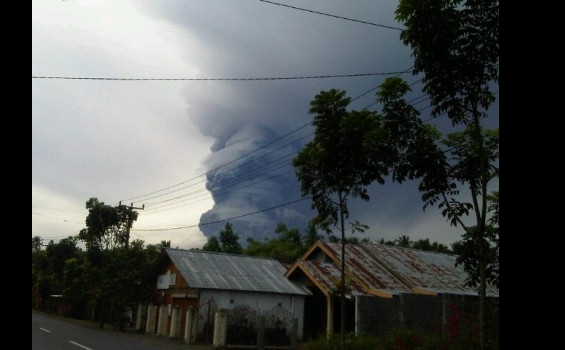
352,342
400,339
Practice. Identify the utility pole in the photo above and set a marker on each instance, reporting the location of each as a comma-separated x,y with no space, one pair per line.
130,211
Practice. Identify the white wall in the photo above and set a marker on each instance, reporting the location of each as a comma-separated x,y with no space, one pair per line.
259,301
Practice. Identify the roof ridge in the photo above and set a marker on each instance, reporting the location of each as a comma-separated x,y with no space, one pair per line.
409,248
222,253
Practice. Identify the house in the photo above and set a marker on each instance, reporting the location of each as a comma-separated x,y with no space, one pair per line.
389,287
209,281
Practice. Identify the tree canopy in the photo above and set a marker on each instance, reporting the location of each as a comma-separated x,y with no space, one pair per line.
107,226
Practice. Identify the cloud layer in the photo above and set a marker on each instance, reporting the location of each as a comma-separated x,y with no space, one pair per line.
214,147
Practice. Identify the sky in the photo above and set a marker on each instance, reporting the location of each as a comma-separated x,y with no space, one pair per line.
191,112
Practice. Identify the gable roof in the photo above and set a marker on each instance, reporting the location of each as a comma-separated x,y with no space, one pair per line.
210,270
384,270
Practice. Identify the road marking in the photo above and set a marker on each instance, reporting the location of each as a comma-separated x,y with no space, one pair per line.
77,344
45,330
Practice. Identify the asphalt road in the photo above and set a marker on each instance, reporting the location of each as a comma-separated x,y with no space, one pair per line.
51,332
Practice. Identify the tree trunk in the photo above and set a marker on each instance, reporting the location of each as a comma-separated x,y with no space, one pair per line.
342,289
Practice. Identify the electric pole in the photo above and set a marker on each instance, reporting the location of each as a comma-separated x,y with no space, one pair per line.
130,211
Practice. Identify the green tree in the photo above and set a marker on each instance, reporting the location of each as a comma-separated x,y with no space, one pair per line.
468,250
77,285
229,240
291,235
425,244
455,45
36,257
385,242
112,262
212,245
403,241
48,266
311,235
286,247
332,167
36,244
164,244
107,226
59,253
123,286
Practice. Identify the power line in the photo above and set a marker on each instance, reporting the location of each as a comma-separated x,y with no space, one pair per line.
64,210
224,220
57,219
225,164
217,194
237,182
214,79
156,193
233,181
229,185
330,15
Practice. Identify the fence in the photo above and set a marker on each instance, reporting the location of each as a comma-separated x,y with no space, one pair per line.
239,327
250,328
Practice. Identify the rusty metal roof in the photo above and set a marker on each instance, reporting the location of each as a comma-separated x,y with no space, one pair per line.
209,270
325,275
386,270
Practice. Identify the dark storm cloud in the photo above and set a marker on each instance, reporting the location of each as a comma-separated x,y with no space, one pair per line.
159,142
257,40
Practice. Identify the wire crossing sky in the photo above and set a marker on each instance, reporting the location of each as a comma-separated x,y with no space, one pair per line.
195,109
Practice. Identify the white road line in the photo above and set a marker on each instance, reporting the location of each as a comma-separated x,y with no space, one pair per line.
77,344
45,330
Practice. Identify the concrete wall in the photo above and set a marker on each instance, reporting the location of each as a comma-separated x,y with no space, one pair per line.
265,302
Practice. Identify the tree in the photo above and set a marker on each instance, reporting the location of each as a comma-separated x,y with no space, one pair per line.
213,245
311,235
164,244
58,253
455,45
286,248
468,251
48,266
403,241
331,168
425,244
385,242
229,240
291,235
36,244
106,226
108,256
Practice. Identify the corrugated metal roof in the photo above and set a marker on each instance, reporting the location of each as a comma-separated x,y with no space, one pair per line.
383,269
364,268
326,275
424,270
209,270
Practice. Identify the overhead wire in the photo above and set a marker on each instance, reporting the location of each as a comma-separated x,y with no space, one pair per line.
238,182
224,220
241,157
217,194
228,163
330,15
227,184
225,164
236,79
213,79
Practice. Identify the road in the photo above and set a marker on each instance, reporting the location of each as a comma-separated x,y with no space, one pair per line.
50,332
